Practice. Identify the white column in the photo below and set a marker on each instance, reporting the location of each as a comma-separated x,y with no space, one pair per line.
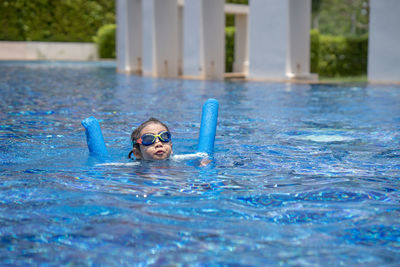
129,36
268,39
241,45
148,38
180,37
192,39
279,39
160,38
204,39
299,39
384,40
214,38
166,37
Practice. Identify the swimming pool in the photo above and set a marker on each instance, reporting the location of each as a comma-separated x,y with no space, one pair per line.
302,174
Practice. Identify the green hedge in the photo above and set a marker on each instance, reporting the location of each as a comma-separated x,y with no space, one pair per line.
49,20
229,48
314,51
333,56
105,40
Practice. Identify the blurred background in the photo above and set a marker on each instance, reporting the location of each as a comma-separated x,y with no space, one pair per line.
339,34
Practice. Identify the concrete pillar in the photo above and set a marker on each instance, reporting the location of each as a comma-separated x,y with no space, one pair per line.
214,38
129,36
160,38
279,45
180,37
193,39
241,63
148,38
298,65
166,37
204,39
268,38
384,39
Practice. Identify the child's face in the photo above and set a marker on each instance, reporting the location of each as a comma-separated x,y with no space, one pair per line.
157,151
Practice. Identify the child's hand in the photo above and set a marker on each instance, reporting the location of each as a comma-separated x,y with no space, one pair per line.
204,162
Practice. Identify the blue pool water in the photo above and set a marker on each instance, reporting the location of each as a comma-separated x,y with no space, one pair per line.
302,174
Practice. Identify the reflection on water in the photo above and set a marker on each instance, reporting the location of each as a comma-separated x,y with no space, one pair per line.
302,174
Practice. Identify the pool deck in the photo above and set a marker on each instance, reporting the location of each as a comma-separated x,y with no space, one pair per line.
69,51
240,77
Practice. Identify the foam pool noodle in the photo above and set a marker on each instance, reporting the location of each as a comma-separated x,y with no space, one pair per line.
208,126
94,137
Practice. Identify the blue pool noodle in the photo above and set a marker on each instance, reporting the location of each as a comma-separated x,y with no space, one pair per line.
94,137
208,126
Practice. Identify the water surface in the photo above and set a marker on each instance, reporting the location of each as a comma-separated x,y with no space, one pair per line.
301,175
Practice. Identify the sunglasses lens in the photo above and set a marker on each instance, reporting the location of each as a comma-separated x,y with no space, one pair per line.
148,139
165,136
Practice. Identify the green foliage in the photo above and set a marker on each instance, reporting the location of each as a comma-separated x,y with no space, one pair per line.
333,56
316,6
241,2
341,17
229,48
105,40
345,79
314,50
47,20
229,20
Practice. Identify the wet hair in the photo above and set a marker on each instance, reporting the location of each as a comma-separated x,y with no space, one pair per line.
136,133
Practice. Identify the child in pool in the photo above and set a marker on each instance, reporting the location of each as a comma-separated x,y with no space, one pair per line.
151,141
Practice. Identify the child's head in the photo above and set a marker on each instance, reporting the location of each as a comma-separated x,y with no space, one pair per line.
151,141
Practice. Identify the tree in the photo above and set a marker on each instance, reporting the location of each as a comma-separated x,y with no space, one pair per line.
316,7
341,17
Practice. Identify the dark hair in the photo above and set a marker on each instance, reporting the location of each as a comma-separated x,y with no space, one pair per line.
135,135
